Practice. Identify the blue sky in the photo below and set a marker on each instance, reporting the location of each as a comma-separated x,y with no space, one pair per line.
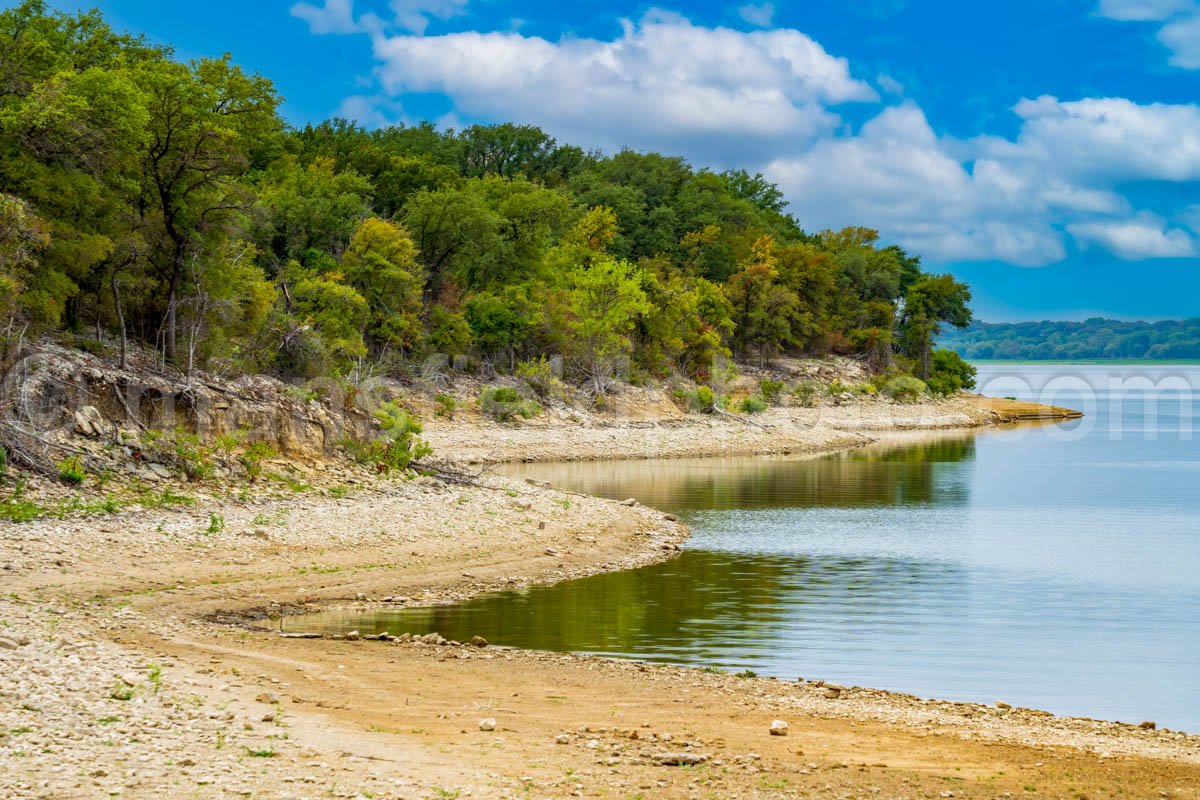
1046,151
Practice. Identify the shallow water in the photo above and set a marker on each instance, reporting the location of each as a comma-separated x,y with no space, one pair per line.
1052,566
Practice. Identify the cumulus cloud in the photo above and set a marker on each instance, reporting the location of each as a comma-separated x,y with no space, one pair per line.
1109,138
663,83
1010,200
334,16
761,16
1135,239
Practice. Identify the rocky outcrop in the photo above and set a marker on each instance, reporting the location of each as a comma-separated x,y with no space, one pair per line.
53,393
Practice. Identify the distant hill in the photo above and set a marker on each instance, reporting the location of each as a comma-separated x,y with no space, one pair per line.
1092,339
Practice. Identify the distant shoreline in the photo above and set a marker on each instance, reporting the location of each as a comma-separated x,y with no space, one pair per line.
1091,362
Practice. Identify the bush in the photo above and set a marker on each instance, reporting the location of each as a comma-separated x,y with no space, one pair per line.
542,378
950,374
253,457
805,394
3,462
701,399
754,404
503,403
771,390
446,406
71,471
905,389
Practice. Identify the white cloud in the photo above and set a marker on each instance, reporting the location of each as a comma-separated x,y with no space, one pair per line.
1143,10
890,85
334,16
337,16
1137,238
371,111
897,175
414,15
1109,138
1181,24
1182,36
714,93
762,16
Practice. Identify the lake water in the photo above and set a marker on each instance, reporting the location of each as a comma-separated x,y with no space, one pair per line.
1052,566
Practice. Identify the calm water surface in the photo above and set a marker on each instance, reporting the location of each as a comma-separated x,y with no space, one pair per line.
1052,566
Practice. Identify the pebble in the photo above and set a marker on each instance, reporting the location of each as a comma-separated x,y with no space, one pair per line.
488,724
779,728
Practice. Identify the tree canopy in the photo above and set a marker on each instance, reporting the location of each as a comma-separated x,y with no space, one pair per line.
167,204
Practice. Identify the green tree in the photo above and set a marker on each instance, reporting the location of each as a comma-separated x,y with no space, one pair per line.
931,301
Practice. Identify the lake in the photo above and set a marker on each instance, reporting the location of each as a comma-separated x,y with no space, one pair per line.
1052,566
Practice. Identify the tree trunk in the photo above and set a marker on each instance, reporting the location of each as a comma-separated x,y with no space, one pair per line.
116,291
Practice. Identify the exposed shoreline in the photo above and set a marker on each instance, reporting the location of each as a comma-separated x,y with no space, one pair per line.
135,589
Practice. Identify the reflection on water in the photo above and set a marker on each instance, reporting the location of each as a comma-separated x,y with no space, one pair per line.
1014,565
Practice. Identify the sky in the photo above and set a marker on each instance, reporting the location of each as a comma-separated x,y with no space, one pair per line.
1046,151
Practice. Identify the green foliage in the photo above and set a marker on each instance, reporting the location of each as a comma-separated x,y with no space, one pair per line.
397,447
771,390
502,403
71,470
15,508
699,399
753,404
446,406
3,462
216,524
168,202
805,393
542,378
252,457
950,374
905,389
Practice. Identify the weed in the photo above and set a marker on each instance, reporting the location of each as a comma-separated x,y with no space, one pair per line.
754,404
252,458
121,692
770,390
265,752
446,405
746,673
502,403
71,471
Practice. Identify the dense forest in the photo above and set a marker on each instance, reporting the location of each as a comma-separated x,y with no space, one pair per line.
151,203
1093,339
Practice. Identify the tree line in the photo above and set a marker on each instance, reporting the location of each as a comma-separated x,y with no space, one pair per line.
165,205
1065,341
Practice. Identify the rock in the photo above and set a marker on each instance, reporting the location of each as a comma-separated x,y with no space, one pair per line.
1003,705
270,698
159,471
679,759
353,636
1148,725
630,502
488,724
131,679
8,644
779,728
360,597
562,738
670,518
89,422
479,641
832,694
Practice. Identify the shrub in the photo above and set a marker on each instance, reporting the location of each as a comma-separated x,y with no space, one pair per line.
503,403
754,404
252,458
541,376
397,447
15,508
216,524
701,399
905,389
446,405
71,471
3,462
771,390
950,374
805,394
